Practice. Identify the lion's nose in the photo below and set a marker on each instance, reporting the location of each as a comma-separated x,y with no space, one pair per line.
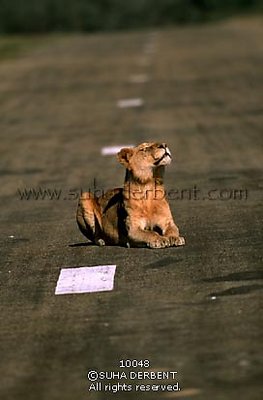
162,146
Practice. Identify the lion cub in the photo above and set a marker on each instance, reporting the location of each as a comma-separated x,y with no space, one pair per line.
138,214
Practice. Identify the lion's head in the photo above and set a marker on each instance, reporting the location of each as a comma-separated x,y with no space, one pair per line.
145,160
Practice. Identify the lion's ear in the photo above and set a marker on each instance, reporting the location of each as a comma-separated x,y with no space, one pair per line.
124,156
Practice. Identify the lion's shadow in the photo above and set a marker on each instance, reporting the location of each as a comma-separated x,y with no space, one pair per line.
82,244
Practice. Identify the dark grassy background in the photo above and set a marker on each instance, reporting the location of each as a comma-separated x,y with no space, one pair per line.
19,16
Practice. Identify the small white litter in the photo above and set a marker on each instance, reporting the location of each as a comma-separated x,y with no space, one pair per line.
128,103
86,279
111,150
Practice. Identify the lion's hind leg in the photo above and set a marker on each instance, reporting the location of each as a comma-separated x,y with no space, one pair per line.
89,218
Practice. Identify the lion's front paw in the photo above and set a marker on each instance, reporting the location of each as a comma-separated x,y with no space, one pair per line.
100,242
159,243
177,241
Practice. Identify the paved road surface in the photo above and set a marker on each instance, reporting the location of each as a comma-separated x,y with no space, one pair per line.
195,310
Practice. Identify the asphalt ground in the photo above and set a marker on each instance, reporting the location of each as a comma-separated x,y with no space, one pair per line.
195,309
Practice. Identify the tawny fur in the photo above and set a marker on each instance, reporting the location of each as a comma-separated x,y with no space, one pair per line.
137,215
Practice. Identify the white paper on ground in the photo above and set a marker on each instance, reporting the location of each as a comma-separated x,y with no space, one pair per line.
86,279
126,103
111,150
